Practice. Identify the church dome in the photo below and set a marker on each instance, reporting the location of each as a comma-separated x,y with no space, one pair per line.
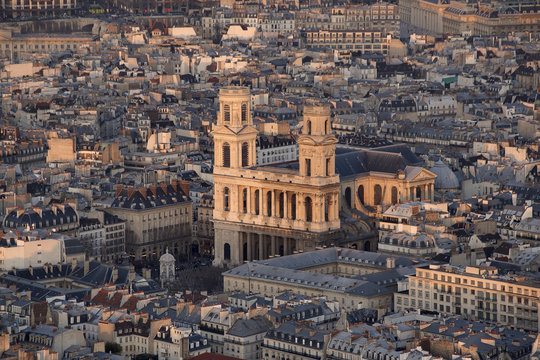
446,179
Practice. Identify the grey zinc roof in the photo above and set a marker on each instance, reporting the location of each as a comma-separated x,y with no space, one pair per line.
249,327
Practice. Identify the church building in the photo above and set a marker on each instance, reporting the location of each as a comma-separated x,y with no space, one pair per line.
266,211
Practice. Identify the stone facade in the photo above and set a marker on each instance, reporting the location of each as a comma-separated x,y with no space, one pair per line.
278,211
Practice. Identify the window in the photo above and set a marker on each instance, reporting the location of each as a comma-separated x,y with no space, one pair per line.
328,167
226,199
293,207
394,195
257,202
308,127
244,200
227,251
244,113
226,155
308,167
360,193
226,113
308,204
269,203
377,195
245,154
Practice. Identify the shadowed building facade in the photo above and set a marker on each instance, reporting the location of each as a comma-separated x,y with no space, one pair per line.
261,212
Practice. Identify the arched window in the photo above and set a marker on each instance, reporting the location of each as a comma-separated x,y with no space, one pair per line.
326,207
245,154
309,208
244,113
226,113
226,155
293,207
360,193
377,195
227,251
348,198
244,201
281,205
257,202
269,203
328,167
394,195
226,199
326,127
308,127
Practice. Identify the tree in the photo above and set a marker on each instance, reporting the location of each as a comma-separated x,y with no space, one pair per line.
112,347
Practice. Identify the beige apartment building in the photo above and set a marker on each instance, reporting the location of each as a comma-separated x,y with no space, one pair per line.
157,217
366,42
477,293
440,17
13,46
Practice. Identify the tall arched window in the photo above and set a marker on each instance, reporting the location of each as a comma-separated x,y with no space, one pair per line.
348,198
269,203
293,207
281,205
245,154
360,193
227,251
308,127
309,209
226,155
226,199
227,113
257,202
244,200
244,113
394,195
377,195
326,207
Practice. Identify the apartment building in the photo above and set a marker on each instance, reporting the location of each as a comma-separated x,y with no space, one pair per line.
157,217
366,42
477,293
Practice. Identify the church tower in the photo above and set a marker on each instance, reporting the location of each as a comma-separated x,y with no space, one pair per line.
234,135
317,144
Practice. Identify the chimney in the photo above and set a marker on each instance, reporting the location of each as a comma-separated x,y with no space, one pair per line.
59,266
46,268
114,274
50,267
86,266
31,270
119,189
184,185
390,263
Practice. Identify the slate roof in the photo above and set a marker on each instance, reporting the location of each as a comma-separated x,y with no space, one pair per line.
249,327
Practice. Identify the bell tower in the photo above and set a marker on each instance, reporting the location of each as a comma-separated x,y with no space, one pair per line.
234,135
317,149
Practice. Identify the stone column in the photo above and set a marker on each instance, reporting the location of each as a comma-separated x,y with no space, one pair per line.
300,207
286,246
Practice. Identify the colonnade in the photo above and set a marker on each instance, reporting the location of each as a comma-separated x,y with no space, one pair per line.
260,246
284,204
